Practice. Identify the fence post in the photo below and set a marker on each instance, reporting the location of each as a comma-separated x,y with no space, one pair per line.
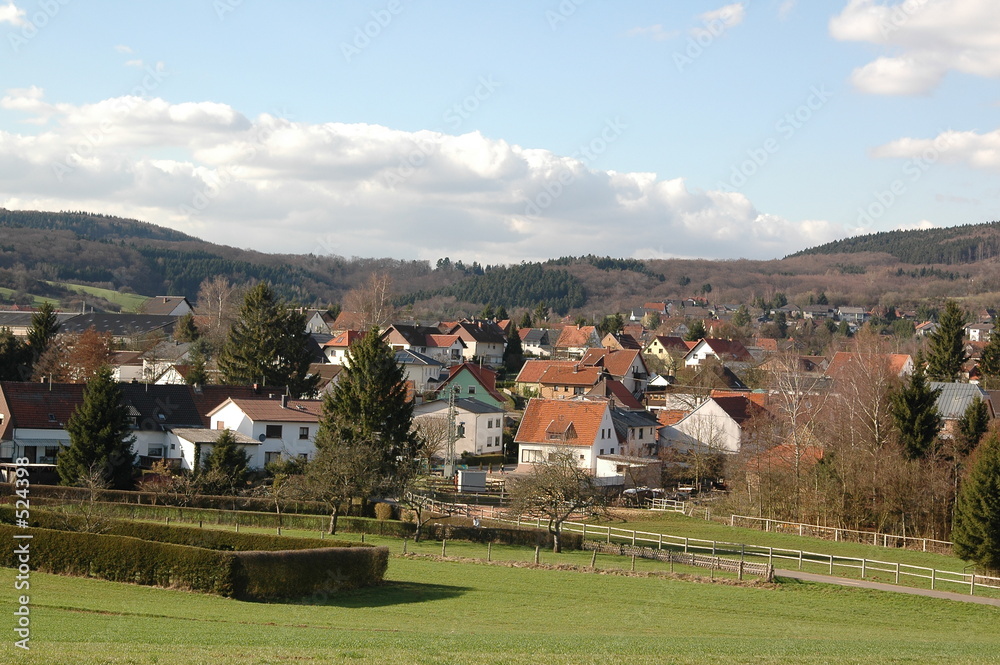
739,574
659,544
732,520
864,562
897,572
633,538
767,525
537,548
489,550
444,547
800,529
593,559
770,556
713,548
584,536
831,564
633,563
972,585
933,577
685,545
925,544
609,534
800,559
404,545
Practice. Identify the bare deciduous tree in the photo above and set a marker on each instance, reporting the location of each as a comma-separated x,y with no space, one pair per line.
372,302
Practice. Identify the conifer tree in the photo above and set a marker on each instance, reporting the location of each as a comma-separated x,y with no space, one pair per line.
44,326
226,464
696,331
525,321
268,344
198,374
946,351
741,318
513,353
976,527
369,404
989,363
100,437
975,422
186,330
914,409
13,357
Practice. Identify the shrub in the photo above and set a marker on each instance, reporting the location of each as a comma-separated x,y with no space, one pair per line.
525,537
316,572
383,511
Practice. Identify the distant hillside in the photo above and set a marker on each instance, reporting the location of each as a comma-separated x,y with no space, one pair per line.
952,246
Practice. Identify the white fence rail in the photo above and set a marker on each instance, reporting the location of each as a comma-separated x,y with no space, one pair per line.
831,564
837,534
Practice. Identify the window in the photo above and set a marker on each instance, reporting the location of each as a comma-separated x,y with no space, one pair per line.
272,458
472,390
640,432
304,457
582,457
272,431
611,451
602,451
303,432
220,425
531,456
155,451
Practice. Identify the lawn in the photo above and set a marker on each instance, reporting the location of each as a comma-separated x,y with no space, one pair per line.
463,613
38,300
129,302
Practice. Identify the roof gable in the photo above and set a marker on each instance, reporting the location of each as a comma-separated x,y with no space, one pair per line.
553,420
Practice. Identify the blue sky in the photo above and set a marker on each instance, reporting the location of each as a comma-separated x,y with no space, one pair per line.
509,131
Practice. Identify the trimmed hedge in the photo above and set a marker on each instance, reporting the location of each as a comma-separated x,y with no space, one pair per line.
245,566
122,559
250,518
526,537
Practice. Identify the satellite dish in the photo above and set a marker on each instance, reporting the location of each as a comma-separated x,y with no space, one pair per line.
262,437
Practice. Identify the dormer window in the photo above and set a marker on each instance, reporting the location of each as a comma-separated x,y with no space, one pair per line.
52,417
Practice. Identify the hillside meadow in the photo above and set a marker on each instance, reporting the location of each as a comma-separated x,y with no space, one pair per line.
465,613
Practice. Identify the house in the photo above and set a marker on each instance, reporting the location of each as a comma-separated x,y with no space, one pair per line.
637,432
562,381
335,350
446,349
423,371
846,364
668,347
926,328
574,341
19,322
549,427
624,365
167,306
528,379
726,351
716,425
123,328
484,340
615,392
954,399
284,428
856,315
535,342
979,332
620,342
319,321
473,381
480,425
818,312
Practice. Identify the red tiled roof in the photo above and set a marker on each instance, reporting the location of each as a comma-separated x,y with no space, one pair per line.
297,411
345,339
617,362
571,336
29,405
740,408
443,341
842,360
532,370
670,416
728,349
580,420
617,391
571,376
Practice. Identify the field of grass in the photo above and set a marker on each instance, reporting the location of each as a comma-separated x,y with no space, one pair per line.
128,301
447,612
38,300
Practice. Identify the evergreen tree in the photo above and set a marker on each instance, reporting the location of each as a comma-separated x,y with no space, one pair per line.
487,313
525,321
14,357
946,351
226,464
780,325
269,345
186,330
741,318
369,404
696,331
779,300
44,326
976,526
513,353
197,358
975,422
100,437
821,299
502,314
914,409
989,363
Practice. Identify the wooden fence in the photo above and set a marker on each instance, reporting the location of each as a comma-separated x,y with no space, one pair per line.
837,534
738,566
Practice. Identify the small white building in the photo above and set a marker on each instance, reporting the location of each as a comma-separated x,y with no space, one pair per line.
480,424
284,428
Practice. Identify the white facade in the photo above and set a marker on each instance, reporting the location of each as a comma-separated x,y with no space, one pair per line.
706,429
279,439
482,429
605,442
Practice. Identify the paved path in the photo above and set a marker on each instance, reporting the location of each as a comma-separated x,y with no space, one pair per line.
864,584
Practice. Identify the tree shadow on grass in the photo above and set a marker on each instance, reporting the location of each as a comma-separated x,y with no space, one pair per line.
388,593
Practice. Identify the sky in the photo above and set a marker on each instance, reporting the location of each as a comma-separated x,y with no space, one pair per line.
510,131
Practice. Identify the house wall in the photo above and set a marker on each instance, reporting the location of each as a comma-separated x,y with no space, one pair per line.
605,443
707,428
288,445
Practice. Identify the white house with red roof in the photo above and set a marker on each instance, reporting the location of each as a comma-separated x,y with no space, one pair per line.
550,427
284,428
729,352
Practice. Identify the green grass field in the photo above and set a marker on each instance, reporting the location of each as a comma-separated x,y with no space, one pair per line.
38,300
446,612
128,301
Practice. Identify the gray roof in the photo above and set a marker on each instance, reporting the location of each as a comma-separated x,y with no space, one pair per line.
473,405
118,324
202,435
23,319
408,357
955,398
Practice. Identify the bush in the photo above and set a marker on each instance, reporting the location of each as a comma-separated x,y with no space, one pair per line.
524,537
316,572
383,511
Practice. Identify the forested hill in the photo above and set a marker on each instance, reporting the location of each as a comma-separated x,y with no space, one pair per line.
953,245
87,225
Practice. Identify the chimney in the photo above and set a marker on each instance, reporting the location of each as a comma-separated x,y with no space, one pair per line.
284,401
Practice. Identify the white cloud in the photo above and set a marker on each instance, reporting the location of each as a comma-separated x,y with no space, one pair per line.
655,32
924,40
729,15
134,63
786,8
122,48
357,189
10,13
981,151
